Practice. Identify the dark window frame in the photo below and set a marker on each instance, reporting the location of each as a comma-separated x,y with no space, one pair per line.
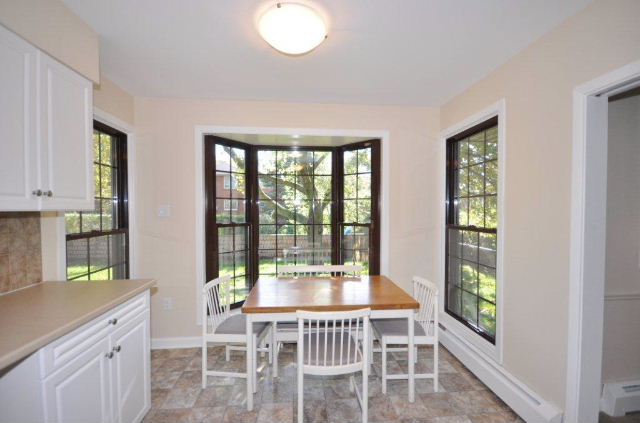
450,218
119,160
252,210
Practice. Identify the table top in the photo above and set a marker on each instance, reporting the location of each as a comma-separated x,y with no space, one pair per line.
324,293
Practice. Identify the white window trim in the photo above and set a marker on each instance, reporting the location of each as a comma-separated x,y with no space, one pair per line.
472,339
201,130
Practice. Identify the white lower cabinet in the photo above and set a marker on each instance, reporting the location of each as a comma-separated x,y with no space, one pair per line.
130,371
79,392
99,372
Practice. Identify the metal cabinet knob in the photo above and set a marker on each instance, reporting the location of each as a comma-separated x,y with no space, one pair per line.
48,193
117,348
37,192
109,355
113,322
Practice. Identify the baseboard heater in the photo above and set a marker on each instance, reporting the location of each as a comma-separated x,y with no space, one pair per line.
619,398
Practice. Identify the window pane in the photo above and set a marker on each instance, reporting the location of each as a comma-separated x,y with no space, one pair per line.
476,179
491,208
225,240
462,211
240,289
364,211
454,274
470,245
487,279
266,184
476,148
99,253
304,163
108,215
491,172
488,317
77,258
350,186
470,276
222,215
225,264
267,260
237,156
266,211
350,162
286,187
364,186
239,186
476,212
322,162
455,242
303,213
286,162
267,238
463,153
240,239
364,160
350,211
105,148
463,183
491,149
240,263
488,249
107,181
454,299
118,249
323,187
223,158
238,212
267,161
72,222
470,307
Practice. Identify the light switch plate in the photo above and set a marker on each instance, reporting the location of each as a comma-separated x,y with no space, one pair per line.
164,210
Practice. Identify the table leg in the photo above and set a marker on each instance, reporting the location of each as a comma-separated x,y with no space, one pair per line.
250,372
411,351
274,347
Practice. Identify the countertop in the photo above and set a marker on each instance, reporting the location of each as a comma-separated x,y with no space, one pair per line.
32,317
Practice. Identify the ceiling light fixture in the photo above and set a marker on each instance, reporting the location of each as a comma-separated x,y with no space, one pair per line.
292,28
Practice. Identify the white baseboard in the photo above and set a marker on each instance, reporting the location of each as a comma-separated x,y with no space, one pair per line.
619,398
530,406
179,342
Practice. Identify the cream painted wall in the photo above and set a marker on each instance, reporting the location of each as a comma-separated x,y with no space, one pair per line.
537,84
52,27
112,99
621,348
165,174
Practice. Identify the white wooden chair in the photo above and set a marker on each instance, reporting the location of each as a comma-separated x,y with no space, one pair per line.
220,326
394,331
328,344
288,331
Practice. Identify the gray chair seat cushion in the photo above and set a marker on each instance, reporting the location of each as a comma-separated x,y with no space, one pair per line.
346,349
237,325
397,327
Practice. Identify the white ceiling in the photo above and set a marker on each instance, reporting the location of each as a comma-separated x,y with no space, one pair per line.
404,52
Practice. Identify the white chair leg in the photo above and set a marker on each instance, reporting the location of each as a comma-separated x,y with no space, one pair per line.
204,364
227,352
435,367
271,346
300,386
255,364
415,356
365,394
384,365
352,384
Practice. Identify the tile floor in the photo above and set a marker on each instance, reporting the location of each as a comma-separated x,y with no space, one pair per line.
177,396
627,418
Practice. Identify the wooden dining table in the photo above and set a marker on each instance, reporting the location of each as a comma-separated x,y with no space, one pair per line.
278,299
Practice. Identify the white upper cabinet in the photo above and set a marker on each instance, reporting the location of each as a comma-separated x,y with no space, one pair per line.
46,160
18,149
65,137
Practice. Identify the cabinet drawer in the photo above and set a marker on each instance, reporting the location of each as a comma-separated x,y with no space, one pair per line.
66,348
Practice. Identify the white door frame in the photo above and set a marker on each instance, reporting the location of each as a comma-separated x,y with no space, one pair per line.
201,130
588,235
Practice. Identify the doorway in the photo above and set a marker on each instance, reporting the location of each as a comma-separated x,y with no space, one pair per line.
588,240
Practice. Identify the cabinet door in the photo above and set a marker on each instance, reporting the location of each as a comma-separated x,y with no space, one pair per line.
79,392
130,378
18,155
66,129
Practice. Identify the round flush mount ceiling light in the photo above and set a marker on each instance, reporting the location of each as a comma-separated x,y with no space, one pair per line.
292,28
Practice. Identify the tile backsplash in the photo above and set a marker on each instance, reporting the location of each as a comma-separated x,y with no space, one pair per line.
20,250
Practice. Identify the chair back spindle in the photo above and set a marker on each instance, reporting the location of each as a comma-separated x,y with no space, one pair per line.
213,293
426,293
